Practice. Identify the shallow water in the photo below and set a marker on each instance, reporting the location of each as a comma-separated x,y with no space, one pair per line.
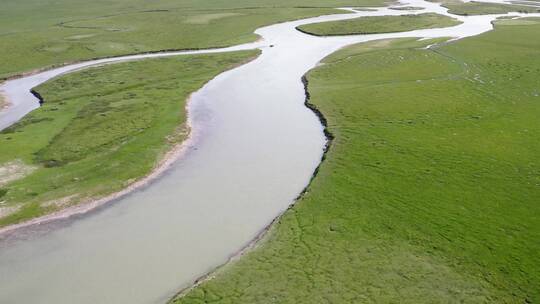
253,149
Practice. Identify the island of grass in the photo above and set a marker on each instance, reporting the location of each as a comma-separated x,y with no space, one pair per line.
378,24
458,7
430,190
99,131
365,9
37,34
406,8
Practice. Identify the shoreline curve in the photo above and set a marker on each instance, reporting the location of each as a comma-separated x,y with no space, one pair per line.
164,163
263,233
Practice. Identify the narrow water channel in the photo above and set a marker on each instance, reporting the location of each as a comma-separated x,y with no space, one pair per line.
253,149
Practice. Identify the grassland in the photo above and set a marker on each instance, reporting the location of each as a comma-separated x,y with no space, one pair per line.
429,192
35,34
378,24
99,131
458,7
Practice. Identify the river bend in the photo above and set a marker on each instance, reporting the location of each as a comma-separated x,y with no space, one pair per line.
253,149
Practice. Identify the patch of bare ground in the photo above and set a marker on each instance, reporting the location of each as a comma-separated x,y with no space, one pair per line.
14,170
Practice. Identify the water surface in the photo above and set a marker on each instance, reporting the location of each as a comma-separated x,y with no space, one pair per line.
253,149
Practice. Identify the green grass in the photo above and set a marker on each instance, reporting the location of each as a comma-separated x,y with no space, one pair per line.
430,191
101,129
35,34
378,24
407,8
458,7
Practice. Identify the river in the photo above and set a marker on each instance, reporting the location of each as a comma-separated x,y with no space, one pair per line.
253,149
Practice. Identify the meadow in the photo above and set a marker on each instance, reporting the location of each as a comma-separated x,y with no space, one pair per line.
99,131
378,24
458,7
429,192
36,34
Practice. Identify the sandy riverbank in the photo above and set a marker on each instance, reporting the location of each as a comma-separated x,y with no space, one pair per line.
92,203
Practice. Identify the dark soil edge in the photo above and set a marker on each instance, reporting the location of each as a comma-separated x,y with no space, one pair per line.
38,96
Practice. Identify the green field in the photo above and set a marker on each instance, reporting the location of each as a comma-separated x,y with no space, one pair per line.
458,7
99,131
35,34
430,190
378,24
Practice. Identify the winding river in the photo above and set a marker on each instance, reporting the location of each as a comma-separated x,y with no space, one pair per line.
253,148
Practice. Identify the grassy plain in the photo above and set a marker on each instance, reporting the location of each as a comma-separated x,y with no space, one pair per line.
378,24
39,33
458,7
430,190
99,130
